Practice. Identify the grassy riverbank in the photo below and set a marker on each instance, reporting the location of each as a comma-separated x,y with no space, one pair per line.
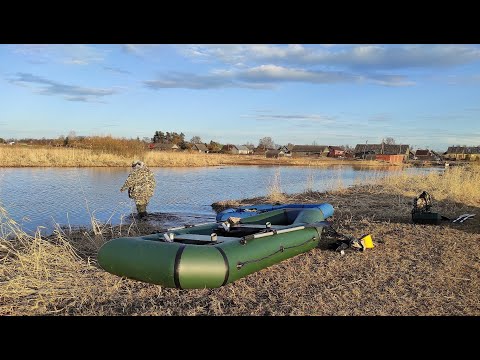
413,269
26,156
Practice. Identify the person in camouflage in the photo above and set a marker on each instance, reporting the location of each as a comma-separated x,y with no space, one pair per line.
141,186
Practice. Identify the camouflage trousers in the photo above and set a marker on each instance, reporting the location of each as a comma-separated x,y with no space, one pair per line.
141,209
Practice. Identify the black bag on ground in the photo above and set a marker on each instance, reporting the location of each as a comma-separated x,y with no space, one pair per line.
426,218
421,213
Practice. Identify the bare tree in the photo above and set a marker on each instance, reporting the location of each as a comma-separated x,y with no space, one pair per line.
266,143
72,135
196,140
389,141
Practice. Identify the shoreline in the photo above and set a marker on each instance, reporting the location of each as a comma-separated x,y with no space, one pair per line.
18,157
27,157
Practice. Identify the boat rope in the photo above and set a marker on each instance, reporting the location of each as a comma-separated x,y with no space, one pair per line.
282,248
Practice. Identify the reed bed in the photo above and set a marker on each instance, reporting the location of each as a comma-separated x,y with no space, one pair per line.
114,155
413,270
456,184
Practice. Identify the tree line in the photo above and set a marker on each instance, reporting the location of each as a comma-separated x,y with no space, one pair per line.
159,137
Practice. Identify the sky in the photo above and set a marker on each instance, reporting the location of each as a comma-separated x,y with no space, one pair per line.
426,96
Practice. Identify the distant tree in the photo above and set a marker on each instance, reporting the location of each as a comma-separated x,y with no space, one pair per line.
214,146
2,140
266,143
389,141
196,140
178,139
72,135
168,138
158,137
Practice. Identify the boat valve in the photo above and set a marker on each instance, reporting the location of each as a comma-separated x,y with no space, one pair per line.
244,240
268,225
213,236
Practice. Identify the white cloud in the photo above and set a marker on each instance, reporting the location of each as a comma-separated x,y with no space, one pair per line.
138,49
353,56
274,73
69,92
193,81
313,118
74,54
265,77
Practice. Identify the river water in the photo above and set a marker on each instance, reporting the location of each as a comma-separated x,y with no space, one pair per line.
43,197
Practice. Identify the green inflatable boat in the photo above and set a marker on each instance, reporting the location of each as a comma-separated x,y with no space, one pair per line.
214,254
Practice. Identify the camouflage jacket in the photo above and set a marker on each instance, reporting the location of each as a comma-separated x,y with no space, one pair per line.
140,184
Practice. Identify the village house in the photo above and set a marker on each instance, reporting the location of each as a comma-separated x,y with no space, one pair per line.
261,150
201,148
235,149
287,149
335,151
251,148
471,153
385,152
426,155
163,147
243,150
310,151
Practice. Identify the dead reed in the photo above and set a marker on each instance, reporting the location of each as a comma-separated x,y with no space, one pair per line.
118,153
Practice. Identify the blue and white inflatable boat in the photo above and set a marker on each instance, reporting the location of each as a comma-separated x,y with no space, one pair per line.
252,210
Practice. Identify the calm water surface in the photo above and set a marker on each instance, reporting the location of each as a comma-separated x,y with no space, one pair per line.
71,196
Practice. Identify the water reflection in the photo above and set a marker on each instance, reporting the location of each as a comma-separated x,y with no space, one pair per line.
72,196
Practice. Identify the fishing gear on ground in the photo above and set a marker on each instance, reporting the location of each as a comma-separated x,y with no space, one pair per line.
421,212
345,242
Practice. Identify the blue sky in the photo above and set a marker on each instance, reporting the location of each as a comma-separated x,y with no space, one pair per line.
421,95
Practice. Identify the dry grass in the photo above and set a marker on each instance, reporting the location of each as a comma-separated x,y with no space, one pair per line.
413,269
58,157
459,184
118,154
275,193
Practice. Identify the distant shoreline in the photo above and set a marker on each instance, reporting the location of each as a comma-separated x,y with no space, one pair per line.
20,156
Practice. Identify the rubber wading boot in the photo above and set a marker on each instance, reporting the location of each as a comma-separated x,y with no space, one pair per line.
142,210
